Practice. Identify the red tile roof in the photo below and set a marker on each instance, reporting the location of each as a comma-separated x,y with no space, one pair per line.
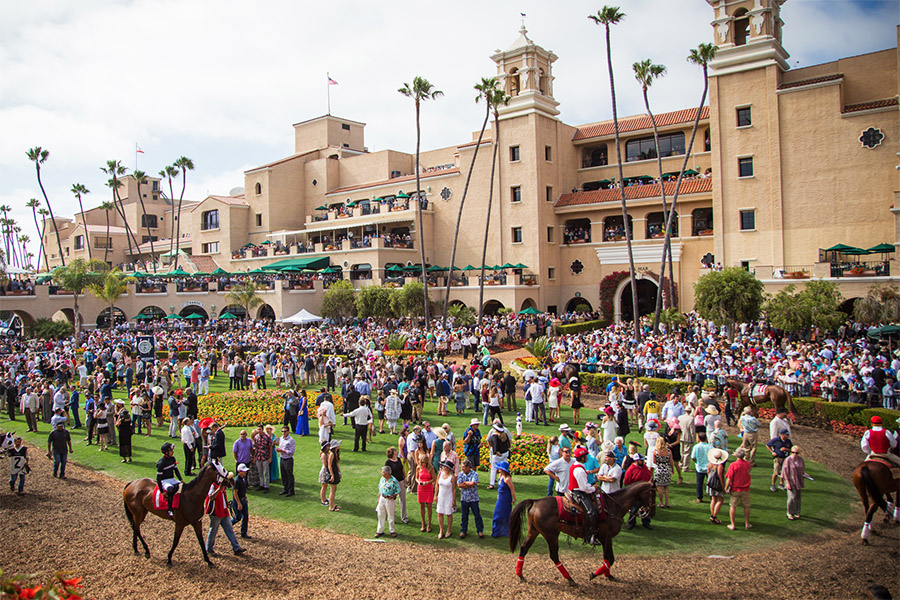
203,263
870,105
403,179
634,192
639,122
810,81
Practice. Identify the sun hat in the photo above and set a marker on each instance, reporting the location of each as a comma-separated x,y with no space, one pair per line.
717,456
565,427
335,444
503,466
579,452
607,446
554,382
474,422
498,427
712,410
440,433
651,425
447,465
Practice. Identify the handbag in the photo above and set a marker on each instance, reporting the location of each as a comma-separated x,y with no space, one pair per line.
326,477
715,482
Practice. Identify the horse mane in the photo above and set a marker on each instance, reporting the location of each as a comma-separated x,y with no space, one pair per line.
193,482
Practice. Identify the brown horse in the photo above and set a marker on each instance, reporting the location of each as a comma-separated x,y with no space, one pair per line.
138,497
775,394
874,481
543,519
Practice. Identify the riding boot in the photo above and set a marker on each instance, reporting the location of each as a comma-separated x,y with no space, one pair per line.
170,497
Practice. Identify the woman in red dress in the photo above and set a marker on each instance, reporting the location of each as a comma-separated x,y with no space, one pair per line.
425,492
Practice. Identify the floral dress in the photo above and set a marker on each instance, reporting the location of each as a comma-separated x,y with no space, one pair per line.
662,476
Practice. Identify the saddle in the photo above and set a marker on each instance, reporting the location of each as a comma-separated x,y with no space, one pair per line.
159,499
571,512
758,389
895,471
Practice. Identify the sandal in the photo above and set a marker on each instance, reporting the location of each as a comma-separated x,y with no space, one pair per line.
422,529
335,509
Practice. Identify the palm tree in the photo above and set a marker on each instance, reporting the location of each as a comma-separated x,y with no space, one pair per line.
79,189
113,286
106,207
34,205
495,98
244,294
184,164
421,89
76,277
5,210
611,15
115,170
44,214
39,156
23,241
485,88
701,55
14,239
140,178
170,172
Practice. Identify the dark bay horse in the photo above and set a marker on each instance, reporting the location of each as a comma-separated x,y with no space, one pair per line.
775,394
138,496
873,480
543,519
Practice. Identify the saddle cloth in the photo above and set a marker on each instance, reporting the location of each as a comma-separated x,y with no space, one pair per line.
895,471
571,512
159,500
758,389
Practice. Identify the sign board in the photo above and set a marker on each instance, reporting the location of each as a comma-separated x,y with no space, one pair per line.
146,347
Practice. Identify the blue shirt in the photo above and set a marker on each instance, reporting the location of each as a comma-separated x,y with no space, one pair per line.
620,453
591,463
388,487
472,447
468,494
698,454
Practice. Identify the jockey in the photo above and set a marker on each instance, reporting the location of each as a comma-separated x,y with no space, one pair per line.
167,475
583,493
878,443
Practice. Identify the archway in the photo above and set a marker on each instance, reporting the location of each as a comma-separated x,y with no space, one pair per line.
103,317
456,302
492,306
64,314
154,312
528,303
646,298
15,322
848,305
266,312
235,309
193,309
578,305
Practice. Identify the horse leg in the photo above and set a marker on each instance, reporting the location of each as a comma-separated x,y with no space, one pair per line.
867,526
553,544
178,529
198,529
136,527
608,560
523,550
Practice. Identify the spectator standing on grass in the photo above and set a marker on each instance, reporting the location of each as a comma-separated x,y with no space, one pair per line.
779,422
262,457
737,483
239,499
189,438
285,452
700,456
749,434
794,472
388,490
216,442
780,446
467,483
59,445
242,449
472,443
394,463
123,424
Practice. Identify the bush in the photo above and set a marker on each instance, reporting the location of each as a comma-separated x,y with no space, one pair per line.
660,387
48,329
839,411
888,416
580,327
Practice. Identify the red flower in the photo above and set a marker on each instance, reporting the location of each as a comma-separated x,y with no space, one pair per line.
29,593
74,582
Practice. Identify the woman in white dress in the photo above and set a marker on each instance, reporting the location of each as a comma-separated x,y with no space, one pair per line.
553,398
446,498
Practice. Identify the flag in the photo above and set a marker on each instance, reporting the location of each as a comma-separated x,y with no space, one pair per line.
523,14
138,149
332,81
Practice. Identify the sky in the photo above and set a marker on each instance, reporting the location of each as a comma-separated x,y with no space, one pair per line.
222,81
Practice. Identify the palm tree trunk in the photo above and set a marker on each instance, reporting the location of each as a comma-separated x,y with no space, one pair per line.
419,214
462,202
662,191
129,234
41,249
487,221
181,197
172,203
667,242
612,92
147,224
87,237
52,220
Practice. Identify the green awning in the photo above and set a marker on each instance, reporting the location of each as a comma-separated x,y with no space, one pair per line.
882,248
195,316
839,248
228,315
530,311
310,262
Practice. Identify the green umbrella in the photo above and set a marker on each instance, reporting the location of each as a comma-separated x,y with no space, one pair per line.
839,248
329,270
379,199
195,316
323,207
142,316
200,274
882,249
507,266
434,268
228,315
469,268
691,172
350,204
495,268
395,269
520,266
258,271
265,243
402,195
139,275
172,317
220,271
530,311
855,252
179,272
248,245
887,330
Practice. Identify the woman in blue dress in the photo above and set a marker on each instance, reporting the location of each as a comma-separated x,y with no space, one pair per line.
274,468
506,497
303,417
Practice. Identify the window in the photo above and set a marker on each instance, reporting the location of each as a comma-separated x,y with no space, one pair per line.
346,145
516,193
745,167
259,219
79,242
551,272
67,250
155,185
549,193
548,153
549,234
258,188
513,82
743,117
748,220
643,148
745,265
209,220
103,242
149,221
596,157
741,26
517,235
345,126
513,153
210,248
147,238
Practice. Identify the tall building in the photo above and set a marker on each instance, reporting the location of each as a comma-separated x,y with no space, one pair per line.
785,163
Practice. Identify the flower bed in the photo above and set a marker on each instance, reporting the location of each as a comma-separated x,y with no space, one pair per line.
404,353
527,455
249,408
58,588
527,362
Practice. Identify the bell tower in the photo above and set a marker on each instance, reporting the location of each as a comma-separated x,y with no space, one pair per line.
525,71
748,34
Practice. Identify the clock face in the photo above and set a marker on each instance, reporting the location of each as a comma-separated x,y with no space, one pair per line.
446,193
145,347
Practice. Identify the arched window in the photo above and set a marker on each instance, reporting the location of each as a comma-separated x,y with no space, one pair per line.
702,221
614,228
258,188
741,27
656,225
514,82
577,231
542,82
595,157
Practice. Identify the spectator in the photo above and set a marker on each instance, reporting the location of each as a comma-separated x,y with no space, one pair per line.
388,490
637,473
794,472
262,457
424,489
780,447
472,443
699,454
123,425
446,498
506,497
285,450
558,470
737,483
239,499
189,443
59,445
242,449
396,466
331,461
716,482
749,434
610,474
467,483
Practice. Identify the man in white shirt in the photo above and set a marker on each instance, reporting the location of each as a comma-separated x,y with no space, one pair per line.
558,470
610,474
325,414
537,401
779,423
362,416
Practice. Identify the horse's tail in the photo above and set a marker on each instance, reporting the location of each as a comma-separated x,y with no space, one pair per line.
874,492
515,523
790,403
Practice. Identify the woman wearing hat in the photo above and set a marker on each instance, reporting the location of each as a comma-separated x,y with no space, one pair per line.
506,497
446,485
715,484
124,427
794,472
661,467
553,398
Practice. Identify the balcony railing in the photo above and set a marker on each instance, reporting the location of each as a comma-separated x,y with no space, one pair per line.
861,269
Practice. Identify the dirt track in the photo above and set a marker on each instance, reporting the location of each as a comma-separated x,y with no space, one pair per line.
78,525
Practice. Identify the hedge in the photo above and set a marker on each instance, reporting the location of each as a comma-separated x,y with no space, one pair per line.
888,416
580,327
845,412
660,387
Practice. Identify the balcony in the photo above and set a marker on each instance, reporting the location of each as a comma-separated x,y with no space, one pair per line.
861,269
824,270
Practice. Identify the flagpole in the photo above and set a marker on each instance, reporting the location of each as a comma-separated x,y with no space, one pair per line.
135,155
328,90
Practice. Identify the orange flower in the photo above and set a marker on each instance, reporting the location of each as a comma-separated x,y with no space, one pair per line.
29,593
74,582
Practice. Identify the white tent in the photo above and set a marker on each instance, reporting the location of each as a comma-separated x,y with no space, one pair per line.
304,317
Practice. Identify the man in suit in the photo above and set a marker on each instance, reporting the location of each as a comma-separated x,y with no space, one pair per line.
216,442
291,409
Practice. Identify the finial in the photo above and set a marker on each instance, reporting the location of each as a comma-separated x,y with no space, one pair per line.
522,29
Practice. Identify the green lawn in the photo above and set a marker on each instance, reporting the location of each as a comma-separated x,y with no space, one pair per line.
684,528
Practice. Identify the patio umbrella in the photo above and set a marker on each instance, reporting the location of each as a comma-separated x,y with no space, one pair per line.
265,243
220,271
882,249
495,268
395,269
329,270
142,316
507,266
200,274
350,204
855,252
139,275
469,268
248,245
838,248
195,316
520,266
323,207
172,317
228,315
179,272
434,268
886,331
691,172
258,271
402,195
530,311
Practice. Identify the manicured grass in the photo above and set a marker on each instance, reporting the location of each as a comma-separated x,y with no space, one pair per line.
684,528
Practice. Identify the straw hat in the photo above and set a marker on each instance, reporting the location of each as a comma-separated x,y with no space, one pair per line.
712,410
717,456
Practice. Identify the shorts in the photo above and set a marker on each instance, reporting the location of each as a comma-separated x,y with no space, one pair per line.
740,499
777,463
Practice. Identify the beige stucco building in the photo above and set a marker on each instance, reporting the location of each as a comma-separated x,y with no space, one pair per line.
785,163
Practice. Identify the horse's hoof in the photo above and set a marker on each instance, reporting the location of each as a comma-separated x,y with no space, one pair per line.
571,582
210,565
610,578
865,542
522,579
147,556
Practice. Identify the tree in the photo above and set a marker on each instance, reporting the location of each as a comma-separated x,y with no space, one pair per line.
79,190
409,300
113,287
339,301
374,301
881,305
420,90
140,178
183,164
76,277
610,15
44,214
539,347
672,318
462,315
39,156
732,295
495,98
5,210
115,170
245,295
24,239
816,305
34,205
106,207
170,172
781,310
485,89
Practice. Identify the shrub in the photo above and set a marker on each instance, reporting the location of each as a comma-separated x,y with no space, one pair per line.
48,329
597,382
839,411
888,416
572,328
539,347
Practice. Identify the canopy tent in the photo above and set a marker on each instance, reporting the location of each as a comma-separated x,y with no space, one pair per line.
530,311
228,315
12,270
312,262
304,317
882,249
